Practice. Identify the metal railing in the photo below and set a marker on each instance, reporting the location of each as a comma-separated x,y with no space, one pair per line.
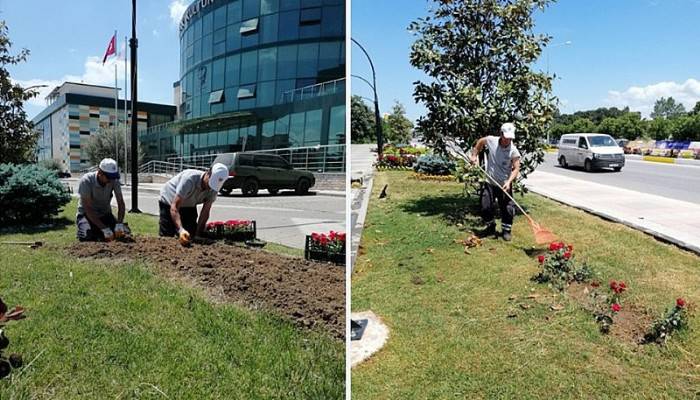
327,158
319,89
166,168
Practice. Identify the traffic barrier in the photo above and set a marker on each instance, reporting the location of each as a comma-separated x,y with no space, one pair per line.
667,160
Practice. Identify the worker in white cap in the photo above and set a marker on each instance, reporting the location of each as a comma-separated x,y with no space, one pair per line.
503,165
180,196
95,190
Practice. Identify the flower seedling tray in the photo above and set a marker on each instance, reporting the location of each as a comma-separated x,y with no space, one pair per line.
324,256
221,234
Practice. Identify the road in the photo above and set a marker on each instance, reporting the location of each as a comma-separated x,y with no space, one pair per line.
678,182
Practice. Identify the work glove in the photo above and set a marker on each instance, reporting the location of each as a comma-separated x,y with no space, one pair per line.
184,237
108,234
119,231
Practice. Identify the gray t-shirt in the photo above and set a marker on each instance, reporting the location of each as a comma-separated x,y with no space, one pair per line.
499,160
100,196
188,185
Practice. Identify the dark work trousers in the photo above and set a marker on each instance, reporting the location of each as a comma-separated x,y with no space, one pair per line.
188,217
89,232
490,195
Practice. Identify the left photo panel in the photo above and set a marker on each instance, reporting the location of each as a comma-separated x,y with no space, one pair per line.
173,191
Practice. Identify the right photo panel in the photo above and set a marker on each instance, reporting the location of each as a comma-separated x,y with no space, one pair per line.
525,199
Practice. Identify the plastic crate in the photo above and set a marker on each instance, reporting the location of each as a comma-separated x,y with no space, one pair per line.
315,255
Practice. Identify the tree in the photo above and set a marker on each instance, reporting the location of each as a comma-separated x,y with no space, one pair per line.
17,136
667,108
107,143
399,129
480,55
696,109
362,121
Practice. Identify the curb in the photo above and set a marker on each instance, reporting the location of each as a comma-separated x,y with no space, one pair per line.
329,193
658,235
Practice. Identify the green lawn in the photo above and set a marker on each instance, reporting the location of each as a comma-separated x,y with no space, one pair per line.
450,337
100,330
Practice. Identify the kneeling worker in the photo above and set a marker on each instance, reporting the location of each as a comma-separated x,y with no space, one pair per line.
94,218
180,196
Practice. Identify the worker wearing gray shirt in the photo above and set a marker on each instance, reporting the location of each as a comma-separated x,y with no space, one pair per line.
94,218
503,165
180,196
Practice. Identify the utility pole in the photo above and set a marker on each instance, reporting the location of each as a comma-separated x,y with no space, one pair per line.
377,117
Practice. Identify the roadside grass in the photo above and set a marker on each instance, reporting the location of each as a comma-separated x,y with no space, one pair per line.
97,329
447,311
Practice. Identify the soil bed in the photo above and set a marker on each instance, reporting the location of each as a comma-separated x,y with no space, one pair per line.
310,293
629,325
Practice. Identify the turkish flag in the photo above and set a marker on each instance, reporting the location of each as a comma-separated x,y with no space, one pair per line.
111,48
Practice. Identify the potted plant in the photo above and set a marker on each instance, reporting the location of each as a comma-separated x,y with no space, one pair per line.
326,247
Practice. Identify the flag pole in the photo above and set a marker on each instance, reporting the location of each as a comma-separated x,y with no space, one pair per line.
116,106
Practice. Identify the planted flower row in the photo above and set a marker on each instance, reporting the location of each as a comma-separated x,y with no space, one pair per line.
326,247
234,230
559,270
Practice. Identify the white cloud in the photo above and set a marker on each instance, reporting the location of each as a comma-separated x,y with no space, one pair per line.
643,98
93,73
177,9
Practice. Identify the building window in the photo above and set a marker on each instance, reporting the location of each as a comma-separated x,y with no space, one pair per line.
246,92
249,27
216,97
310,16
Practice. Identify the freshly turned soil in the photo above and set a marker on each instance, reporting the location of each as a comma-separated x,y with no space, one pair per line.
629,324
312,294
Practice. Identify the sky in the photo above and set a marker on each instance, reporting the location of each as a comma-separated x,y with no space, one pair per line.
68,39
622,52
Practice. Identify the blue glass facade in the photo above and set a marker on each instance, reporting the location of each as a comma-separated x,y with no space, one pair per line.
257,74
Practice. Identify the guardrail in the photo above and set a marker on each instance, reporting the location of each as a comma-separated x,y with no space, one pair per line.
319,89
327,158
166,168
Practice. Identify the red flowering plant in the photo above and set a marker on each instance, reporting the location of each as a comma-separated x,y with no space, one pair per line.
675,319
333,242
558,267
237,225
14,360
608,309
233,229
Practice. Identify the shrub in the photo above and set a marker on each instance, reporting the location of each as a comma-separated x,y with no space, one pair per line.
675,319
433,165
29,194
52,164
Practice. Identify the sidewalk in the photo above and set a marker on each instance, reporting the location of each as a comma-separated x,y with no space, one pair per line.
671,220
362,167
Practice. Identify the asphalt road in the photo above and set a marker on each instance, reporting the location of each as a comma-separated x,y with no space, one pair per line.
679,182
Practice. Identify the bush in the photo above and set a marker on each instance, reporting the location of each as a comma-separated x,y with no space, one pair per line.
433,165
29,194
52,164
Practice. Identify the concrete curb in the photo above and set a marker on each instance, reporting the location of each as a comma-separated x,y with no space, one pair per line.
677,161
658,235
365,193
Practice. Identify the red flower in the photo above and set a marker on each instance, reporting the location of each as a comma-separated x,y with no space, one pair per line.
341,237
540,259
553,246
616,307
622,287
567,255
680,303
613,286
570,247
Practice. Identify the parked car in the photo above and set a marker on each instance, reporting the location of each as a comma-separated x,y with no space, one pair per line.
251,172
590,151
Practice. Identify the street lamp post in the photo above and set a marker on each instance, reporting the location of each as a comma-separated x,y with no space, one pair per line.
373,85
133,44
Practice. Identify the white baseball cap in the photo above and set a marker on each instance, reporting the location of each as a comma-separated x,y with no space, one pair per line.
109,167
508,130
219,174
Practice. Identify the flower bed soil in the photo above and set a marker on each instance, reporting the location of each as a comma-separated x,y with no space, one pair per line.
629,325
312,294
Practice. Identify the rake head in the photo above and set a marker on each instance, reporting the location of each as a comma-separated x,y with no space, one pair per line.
541,234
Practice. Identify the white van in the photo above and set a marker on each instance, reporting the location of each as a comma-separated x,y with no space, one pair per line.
590,151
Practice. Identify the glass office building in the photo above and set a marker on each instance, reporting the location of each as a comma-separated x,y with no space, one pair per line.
255,75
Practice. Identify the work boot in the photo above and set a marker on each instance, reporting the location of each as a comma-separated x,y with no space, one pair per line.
490,230
507,236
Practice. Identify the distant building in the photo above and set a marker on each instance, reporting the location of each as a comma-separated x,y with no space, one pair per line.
257,75
76,110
